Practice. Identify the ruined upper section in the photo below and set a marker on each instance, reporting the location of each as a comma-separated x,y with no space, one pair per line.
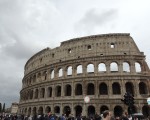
90,46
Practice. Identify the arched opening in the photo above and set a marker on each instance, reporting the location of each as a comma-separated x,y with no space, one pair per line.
102,67
34,78
132,110
40,111
91,111
34,111
103,89
90,89
52,74
126,67
79,69
57,109
31,94
58,91
113,67
129,88
44,75
90,68
142,88
116,88
78,89
69,70
48,109
49,92
68,90
67,110
118,111
137,67
42,92
25,111
78,110
145,111
103,108
36,93
60,72
29,111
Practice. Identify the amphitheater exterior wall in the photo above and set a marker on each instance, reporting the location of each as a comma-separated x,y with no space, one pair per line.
103,67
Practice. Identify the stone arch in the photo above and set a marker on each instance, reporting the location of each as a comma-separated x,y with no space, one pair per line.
114,67
91,111
78,89
69,70
31,94
52,74
67,110
90,68
29,111
60,72
129,87
79,69
132,110
58,91
34,111
34,78
56,109
48,109
39,76
138,67
116,88
145,110
44,75
142,88
118,111
42,93
36,93
40,110
25,111
102,67
103,90
78,110
126,67
103,108
68,90
90,89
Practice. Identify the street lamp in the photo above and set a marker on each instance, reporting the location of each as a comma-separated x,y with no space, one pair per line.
148,100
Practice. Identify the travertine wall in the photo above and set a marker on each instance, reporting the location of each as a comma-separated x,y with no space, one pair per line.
102,67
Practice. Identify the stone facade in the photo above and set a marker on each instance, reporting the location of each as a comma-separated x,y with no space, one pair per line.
103,67
14,108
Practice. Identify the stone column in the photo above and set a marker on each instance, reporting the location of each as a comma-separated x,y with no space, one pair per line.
45,96
53,91
120,67
132,67
107,68
96,89
62,89
95,69
73,90
64,72
74,71
84,70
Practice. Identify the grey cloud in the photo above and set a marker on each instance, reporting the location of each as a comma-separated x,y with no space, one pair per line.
94,18
18,49
10,89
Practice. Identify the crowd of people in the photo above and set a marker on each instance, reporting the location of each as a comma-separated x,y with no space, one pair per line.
107,115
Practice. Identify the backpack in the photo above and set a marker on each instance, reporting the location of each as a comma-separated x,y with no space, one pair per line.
52,118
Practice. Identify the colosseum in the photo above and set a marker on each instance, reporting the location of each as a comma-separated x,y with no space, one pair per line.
103,67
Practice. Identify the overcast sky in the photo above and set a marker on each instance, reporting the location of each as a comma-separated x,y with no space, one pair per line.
28,26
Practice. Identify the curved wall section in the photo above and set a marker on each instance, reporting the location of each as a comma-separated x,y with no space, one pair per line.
103,67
